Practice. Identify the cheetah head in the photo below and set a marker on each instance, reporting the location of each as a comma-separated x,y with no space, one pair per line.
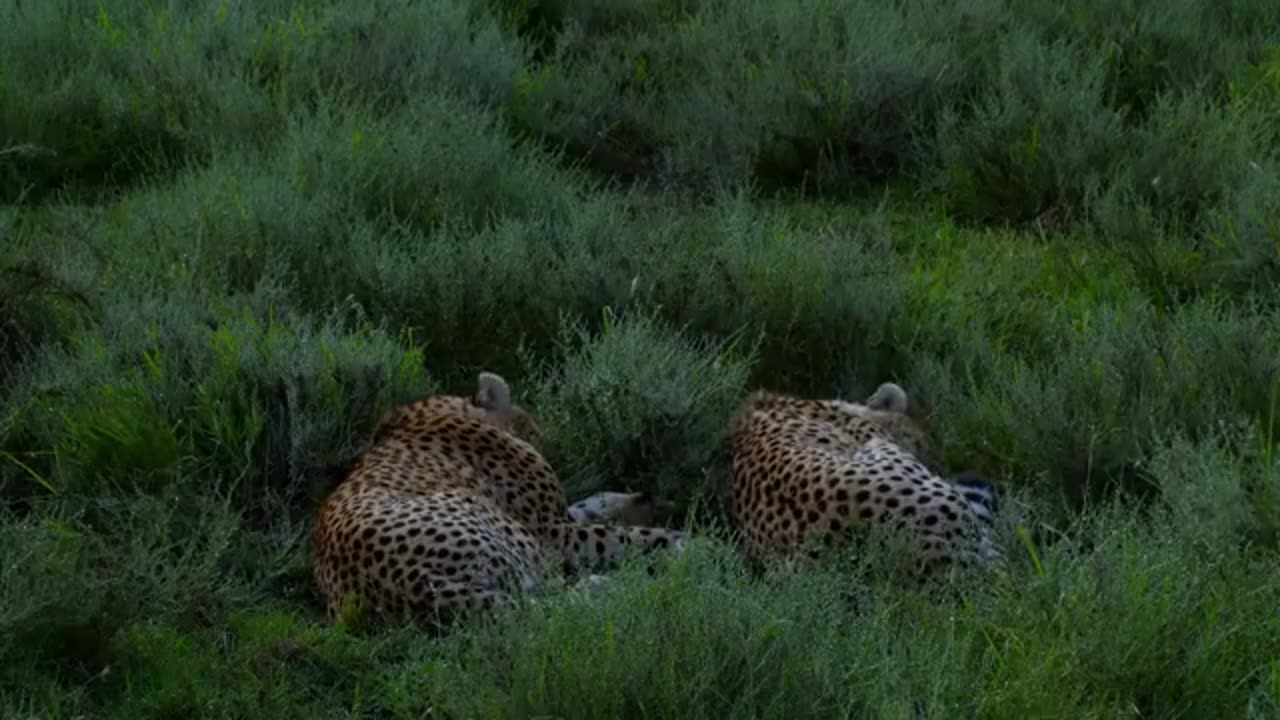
887,408
492,403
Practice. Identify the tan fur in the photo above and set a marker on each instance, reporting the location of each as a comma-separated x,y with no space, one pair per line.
452,507
804,469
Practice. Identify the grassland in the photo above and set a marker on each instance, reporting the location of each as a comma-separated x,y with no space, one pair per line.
233,233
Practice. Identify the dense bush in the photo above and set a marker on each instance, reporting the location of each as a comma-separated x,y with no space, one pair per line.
104,93
234,235
639,408
810,93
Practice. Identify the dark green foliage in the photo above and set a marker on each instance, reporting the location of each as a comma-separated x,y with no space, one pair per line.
1242,239
234,234
639,407
99,94
1037,142
793,94
819,299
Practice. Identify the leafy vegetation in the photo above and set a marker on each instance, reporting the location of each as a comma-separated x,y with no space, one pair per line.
234,234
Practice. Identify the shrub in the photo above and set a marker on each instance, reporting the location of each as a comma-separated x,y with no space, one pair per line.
816,93
105,92
39,307
1037,141
705,639
109,96
1153,48
1220,494
1090,413
1189,155
1241,236
255,404
49,604
638,406
822,298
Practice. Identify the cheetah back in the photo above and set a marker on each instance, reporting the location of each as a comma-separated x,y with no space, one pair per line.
452,507
803,469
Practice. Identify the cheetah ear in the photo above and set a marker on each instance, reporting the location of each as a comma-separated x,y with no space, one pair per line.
492,392
889,397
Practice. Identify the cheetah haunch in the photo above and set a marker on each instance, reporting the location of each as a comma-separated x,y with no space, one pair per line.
804,469
450,508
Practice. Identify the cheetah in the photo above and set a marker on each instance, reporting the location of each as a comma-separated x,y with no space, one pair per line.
453,508
618,508
813,469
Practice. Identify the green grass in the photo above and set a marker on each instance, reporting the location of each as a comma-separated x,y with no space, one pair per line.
234,234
